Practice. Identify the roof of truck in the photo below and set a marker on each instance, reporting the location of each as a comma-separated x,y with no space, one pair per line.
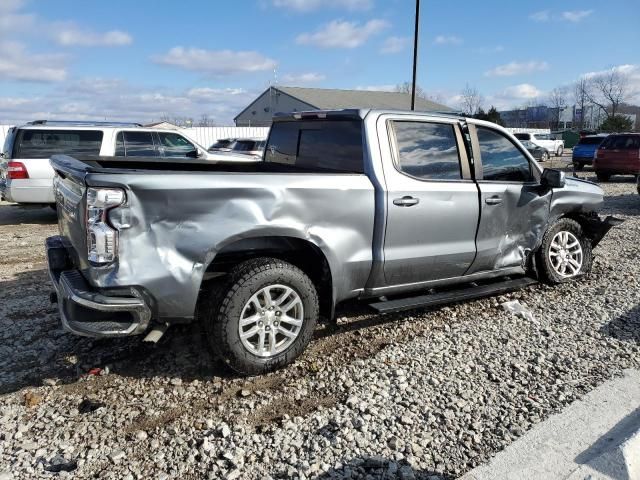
352,113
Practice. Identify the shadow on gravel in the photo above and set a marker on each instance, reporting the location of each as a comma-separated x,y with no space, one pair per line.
11,214
379,468
626,327
622,205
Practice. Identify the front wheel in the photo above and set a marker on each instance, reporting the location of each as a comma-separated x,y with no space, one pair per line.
565,252
544,157
262,318
560,151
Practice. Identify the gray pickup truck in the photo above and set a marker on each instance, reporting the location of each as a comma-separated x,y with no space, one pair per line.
401,208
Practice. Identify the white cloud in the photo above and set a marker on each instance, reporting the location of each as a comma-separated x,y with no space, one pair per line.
573,16
395,44
342,34
517,68
447,40
310,5
631,74
11,19
309,77
576,15
71,36
18,64
116,100
377,88
215,62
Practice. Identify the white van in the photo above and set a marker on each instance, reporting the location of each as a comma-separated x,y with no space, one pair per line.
27,177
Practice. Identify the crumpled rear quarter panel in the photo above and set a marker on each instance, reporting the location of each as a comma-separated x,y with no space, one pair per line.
179,221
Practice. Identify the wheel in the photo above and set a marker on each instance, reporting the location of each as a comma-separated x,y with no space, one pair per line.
544,157
560,151
603,177
565,252
53,206
577,166
638,184
262,318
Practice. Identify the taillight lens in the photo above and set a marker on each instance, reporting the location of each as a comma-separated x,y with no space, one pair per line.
102,238
17,171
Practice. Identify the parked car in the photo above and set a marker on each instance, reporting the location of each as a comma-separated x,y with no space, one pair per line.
539,153
585,150
543,140
222,145
618,154
249,146
27,177
346,204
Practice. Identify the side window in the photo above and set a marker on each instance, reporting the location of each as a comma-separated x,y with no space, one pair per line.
139,144
428,151
44,143
120,152
175,145
501,159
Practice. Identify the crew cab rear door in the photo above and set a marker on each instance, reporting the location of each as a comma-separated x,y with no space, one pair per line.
514,208
431,202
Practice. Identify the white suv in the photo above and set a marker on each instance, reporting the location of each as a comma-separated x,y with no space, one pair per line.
27,177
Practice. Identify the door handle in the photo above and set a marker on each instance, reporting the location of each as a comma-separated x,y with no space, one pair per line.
406,201
493,201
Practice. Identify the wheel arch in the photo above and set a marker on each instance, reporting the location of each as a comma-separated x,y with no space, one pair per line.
300,252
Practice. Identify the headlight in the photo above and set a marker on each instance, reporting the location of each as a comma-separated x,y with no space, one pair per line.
102,238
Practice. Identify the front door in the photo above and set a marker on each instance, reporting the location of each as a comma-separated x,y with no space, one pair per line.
432,201
514,208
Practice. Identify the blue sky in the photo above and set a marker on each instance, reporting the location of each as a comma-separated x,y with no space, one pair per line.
140,60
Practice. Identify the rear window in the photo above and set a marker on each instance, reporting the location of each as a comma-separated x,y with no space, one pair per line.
621,142
523,136
244,146
591,141
44,143
317,145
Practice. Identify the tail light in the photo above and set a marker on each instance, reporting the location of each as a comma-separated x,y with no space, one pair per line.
102,238
17,171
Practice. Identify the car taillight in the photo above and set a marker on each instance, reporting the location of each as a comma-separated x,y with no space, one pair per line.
102,238
17,171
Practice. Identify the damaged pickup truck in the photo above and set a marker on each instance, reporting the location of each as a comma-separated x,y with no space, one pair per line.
403,208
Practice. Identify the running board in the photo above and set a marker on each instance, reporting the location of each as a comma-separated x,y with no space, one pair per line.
452,296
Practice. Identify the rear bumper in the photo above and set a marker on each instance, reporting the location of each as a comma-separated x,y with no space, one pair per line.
28,190
582,160
87,311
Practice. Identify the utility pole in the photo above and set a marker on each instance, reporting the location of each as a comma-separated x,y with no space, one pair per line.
415,56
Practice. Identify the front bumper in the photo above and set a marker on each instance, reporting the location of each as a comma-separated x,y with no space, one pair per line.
87,311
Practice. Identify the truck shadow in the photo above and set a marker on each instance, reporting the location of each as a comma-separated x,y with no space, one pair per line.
622,205
626,327
377,467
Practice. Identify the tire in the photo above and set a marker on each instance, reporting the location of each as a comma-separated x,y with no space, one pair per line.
544,157
223,307
549,257
578,166
603,177
560,151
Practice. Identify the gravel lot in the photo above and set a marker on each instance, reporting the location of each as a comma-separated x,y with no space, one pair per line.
424,394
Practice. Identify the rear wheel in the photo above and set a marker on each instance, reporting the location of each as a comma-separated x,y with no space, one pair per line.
560,151
577,166
603,177
262,318
544,157
565,252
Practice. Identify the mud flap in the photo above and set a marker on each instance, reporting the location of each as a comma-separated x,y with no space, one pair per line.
597,228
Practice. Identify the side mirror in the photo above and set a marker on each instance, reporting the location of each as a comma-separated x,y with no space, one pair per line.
552,178
196,153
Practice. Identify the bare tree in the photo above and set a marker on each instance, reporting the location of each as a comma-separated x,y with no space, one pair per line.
608,90
407,87
581,98
206,121
471,100
558,101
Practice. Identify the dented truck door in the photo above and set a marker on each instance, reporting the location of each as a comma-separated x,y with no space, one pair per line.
514,207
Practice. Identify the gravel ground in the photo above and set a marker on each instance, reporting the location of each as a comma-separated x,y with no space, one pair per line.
423,394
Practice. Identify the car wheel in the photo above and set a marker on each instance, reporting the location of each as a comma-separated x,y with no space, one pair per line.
578,166
603,177
544,157
262,318
560,151
565,253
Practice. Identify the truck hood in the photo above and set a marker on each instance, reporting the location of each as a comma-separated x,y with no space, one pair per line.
577,195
